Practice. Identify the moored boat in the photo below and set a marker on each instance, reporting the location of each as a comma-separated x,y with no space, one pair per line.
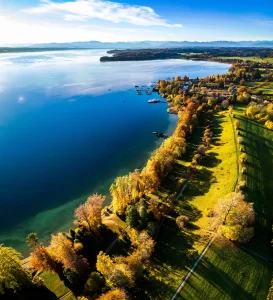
153,101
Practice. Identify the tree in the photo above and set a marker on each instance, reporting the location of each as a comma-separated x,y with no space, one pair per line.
33,240
225,104
243,157
269,124
41,259
12,275
115,294
162,84
89,213
63,251
145,246
143,214
73,277
94,284
131,216
116,272
236,217
230,109
124,190
201,150
237,124
182,221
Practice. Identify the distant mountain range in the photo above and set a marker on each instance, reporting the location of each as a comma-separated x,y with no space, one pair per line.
152,44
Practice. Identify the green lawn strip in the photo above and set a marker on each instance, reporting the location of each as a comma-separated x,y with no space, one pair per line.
258,145
216,177
252,58
266,89
227,272
54,284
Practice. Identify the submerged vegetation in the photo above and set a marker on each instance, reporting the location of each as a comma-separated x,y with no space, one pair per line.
211,181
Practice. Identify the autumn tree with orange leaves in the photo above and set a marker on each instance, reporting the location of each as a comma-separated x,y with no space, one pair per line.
115,294
63,251
89,213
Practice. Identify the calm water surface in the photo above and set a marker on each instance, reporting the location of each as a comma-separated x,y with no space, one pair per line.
68,126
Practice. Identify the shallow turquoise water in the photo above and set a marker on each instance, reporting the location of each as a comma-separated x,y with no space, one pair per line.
68,126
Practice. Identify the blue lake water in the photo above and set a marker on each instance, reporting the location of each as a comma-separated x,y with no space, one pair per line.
68,126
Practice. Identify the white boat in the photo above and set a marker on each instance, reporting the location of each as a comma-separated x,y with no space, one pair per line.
154,101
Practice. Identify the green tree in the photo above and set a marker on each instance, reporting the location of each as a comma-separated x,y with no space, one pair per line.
143,213
33,240
94,284
12,275
131,216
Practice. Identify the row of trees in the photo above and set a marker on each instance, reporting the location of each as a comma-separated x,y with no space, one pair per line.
262,112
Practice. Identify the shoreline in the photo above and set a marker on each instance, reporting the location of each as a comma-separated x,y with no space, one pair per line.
60,218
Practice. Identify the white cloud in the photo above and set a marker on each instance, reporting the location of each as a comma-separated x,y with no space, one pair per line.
104,10
28,31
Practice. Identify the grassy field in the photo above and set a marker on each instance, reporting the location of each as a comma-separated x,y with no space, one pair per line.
176,250
55,285
258,145
217,174
266,89
252,58
226,271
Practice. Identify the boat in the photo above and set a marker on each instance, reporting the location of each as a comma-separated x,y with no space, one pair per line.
160,135
154,101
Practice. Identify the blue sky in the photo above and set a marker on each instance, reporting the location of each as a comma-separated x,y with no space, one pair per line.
38,21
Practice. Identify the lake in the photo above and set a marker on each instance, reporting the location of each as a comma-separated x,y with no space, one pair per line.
68,126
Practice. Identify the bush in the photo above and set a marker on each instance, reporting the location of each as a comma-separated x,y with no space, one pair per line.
237,124
209,212
213,180
240,140
197,157
243,158
225,104
242,185
182,221
151,227
181,182
243,171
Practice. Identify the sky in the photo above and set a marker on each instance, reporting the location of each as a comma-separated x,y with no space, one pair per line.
44,21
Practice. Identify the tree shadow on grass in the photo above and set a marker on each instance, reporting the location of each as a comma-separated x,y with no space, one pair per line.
211,280
172,246
211,160
187,209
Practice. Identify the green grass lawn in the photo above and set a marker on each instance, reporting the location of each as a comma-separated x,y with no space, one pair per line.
226,271
252,58
176,250
216,177
54,284
258,145
267,89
